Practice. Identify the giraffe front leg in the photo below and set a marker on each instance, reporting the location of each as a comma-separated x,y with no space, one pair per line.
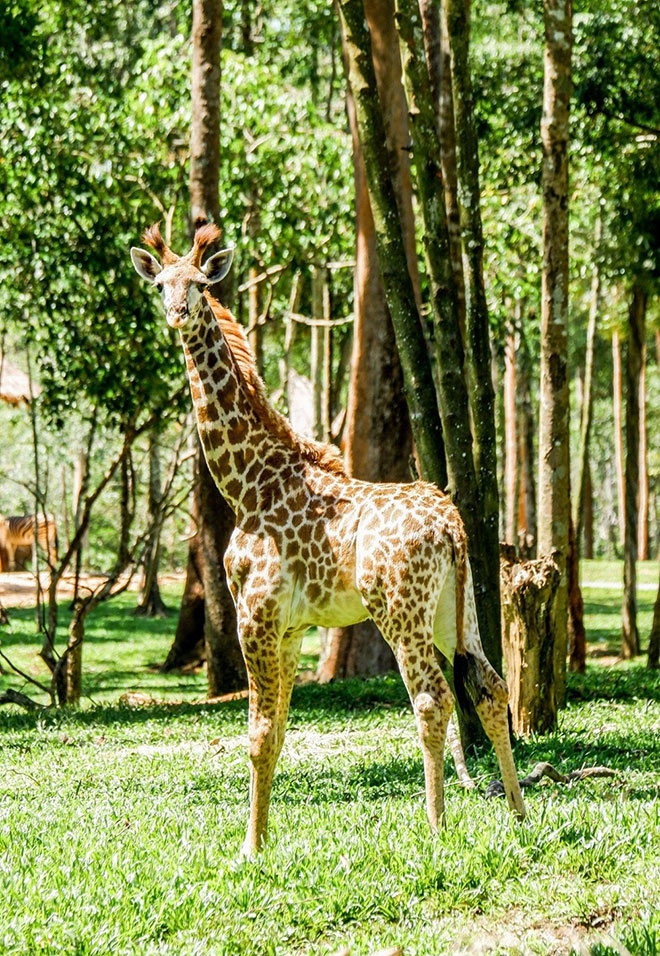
289,657
263,751
261,650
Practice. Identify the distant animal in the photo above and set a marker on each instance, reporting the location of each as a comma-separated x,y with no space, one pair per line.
17,538
313,546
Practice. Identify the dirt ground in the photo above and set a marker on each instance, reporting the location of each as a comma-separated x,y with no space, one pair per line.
17,588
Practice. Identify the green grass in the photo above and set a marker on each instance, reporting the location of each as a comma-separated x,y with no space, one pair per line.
120,826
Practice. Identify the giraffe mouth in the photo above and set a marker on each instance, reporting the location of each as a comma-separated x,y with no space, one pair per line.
178,320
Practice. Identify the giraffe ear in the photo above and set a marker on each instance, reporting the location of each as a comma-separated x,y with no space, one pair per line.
145,264
216,267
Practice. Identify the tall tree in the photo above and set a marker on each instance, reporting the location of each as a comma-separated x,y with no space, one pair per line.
151,603
617,403
436,46
377,433
417,375
215,520
453,398
554,500
477,334
636,321
586,415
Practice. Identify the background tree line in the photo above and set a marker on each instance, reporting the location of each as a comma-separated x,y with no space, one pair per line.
95,136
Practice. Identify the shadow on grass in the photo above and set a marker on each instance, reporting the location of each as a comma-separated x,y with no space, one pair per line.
628,682
311,700
114,623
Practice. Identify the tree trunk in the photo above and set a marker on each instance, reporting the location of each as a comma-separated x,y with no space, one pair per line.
554,500
436,45
617,393
510,440
386,59
151,603
411,344
588,516
477,329
74,654
643,527
636,316
653,661
576,632
319,286
452,391
225,668
205,127
528,598
187,650
527,525
377,433
587,395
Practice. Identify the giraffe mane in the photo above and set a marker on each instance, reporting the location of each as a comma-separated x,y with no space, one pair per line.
314,452
152,237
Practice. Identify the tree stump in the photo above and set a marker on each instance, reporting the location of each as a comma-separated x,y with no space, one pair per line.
528,591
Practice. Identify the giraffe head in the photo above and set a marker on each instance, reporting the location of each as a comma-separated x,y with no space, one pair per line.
182,280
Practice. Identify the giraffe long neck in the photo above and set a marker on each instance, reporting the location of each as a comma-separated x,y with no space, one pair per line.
236,443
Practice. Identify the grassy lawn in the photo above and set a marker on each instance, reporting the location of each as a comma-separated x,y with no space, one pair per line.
120,826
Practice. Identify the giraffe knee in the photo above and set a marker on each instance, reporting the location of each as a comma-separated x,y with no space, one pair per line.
262,739
432,712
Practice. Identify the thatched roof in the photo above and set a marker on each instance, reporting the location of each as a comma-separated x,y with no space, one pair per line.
14,384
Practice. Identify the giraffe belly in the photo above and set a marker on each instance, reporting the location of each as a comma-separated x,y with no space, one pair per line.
336,610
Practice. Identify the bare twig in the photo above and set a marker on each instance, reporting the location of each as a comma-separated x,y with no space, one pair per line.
17,670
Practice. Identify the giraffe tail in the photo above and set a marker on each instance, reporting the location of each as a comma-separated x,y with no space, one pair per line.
461,658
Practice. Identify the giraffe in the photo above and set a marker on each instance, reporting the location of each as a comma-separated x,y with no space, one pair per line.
313,546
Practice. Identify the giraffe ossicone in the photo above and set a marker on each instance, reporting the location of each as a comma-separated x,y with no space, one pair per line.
313,546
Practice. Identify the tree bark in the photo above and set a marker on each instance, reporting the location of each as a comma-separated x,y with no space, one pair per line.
319,282
576,631
587,394
452,391
554,500
436,45
225,668
510,441
187,649
588,516
653,661
377,434
527,521
617,400
643,525
477,330
205,128
411,344
528,598
74,655
151,602
636,317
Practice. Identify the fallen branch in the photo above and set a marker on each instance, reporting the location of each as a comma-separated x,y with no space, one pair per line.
545,769
10,696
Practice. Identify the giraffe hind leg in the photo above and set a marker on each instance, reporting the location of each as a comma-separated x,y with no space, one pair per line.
475,677
431,699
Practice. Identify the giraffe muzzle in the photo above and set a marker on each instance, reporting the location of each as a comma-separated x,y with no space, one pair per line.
176,320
